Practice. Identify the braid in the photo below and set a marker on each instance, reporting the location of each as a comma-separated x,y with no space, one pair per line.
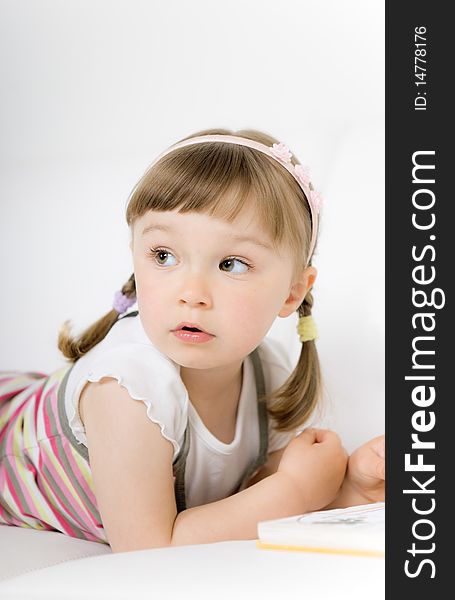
129,289
294,402
304,309
75,347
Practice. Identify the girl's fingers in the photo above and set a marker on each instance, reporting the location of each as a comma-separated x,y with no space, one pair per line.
308,435
314,435
380,469
378,445
327,436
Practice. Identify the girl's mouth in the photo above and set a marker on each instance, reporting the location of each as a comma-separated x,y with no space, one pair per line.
192,335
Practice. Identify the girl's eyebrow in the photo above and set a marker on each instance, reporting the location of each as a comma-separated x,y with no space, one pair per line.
236,238
252,240
156,226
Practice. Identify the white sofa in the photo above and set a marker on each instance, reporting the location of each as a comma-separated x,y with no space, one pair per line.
28,550
225,570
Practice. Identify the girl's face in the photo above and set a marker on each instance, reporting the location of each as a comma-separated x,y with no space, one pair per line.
194,268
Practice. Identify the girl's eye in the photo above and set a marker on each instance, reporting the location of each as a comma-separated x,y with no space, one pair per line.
230,265
232,260
158,254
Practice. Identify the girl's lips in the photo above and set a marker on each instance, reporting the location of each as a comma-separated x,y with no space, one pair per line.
193,337
190,326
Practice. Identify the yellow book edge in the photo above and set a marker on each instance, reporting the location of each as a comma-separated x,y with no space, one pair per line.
322,550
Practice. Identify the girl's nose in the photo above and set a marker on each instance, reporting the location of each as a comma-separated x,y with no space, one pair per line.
195,291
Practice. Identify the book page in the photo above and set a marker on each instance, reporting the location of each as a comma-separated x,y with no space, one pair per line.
372,515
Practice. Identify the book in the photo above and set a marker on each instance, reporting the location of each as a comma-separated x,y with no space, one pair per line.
356,530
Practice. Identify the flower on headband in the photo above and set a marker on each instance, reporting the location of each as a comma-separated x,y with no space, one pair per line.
316,200
302,174
281,152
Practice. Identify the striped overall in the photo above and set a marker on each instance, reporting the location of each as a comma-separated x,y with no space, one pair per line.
45,476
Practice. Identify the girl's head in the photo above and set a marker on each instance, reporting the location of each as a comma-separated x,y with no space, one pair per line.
187,216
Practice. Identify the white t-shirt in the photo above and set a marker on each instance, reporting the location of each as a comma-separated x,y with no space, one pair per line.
213,469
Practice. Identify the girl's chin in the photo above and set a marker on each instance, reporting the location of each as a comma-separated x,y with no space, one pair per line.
190,356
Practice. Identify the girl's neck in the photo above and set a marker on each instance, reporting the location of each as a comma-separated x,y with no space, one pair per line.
214,391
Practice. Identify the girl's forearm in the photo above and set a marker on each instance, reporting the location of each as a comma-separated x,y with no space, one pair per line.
347,496
236,517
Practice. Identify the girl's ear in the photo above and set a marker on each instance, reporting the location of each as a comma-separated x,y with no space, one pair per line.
299,289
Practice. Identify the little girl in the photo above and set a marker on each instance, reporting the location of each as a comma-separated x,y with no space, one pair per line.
180,422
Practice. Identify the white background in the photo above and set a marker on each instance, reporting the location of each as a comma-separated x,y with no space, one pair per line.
93,90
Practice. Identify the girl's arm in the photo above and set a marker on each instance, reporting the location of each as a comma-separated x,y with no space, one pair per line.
131,465
309,475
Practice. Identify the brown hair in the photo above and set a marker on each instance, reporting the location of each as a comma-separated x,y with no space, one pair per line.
197,178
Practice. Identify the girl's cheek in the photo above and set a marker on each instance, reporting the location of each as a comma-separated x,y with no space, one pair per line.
244,310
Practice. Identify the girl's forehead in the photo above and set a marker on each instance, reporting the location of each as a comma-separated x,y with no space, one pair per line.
245,223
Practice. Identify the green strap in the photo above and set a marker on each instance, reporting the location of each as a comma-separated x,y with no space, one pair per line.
80,448
133,313
180,461
179,472
263,423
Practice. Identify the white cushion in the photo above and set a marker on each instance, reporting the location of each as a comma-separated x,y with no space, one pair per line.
224,570
24,550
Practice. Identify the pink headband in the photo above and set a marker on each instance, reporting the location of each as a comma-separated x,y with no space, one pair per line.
279,152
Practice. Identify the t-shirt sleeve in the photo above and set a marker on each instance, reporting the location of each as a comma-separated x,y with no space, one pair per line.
148,377
277,367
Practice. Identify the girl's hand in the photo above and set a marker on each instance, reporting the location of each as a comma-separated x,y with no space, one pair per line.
316,461
365,476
